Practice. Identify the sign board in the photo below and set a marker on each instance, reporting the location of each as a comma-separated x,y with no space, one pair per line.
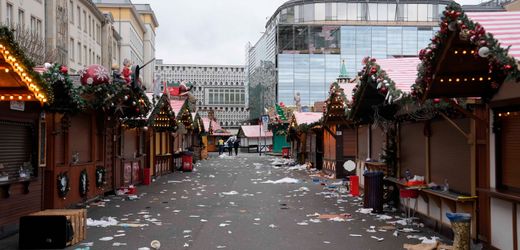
349,165
265,122
17,105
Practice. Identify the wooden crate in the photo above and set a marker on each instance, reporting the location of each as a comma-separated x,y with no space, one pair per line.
78,218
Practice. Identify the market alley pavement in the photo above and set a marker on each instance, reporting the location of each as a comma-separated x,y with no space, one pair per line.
242,202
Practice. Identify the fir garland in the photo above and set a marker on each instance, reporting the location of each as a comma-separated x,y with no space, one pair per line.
63,184
67,98
455,20
336,100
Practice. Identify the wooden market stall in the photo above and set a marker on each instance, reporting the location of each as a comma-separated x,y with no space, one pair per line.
199,138
255,137
466,61
22,133
339,133
305,133
159,128
214,132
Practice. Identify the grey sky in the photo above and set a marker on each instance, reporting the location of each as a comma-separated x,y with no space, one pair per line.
211,31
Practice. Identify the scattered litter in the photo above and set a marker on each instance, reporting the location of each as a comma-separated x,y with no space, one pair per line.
119,235
298,167
143,248
422,246
315,220
273,226
371,230
223,225
194,216
220,247
103,222
364,210
313,215
108,238
383,217
326,242
211,176
333,216
203,220
426,240
356,235
376,238
186,245
174,181
186,231
283,180
409,230
303,223
230,193
256,219
87,244
118,244
403,222
396,233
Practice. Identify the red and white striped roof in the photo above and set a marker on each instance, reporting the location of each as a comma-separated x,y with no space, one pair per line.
403,71
255,131
505,27
307,117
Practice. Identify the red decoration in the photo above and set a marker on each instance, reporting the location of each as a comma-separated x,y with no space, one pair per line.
383,90
64,70
94,74
436,100
373,69
507,67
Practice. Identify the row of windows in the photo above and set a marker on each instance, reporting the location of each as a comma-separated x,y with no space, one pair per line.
360,12
199,68
35,27
82,54
212,83
224,78
226,96
85,21
229,109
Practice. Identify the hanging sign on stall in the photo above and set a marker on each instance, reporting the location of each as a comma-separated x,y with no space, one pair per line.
17,105
265,122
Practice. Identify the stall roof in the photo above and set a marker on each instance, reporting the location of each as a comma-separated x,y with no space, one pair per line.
252,131
403,71
347,89
215,125
177,105
505,27
307,117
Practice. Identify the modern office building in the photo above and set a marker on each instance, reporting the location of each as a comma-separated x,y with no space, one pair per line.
306,41
220,88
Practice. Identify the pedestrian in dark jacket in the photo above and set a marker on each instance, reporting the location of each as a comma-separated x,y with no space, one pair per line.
236,144
229,145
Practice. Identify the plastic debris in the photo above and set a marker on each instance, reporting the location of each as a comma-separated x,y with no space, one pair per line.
283,180
118,244
355,235
108,238
103,222
377,238
230,193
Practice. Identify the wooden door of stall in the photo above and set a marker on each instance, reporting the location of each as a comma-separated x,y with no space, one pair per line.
131,165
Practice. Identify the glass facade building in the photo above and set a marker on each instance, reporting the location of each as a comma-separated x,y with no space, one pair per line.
314,37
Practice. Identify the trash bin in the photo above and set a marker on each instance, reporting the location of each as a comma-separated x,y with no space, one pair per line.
461,226
285,152
373,191
187,161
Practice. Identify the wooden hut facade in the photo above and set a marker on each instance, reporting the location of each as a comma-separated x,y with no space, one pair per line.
305,135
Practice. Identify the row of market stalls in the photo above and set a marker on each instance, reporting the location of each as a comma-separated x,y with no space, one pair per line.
451,116
63,144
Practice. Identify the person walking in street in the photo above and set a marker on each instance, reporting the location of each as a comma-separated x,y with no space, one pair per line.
229,144
236,144
220,144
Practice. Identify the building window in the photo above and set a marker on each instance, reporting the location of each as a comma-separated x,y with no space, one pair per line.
71,11
85,54
85,21
80,58
9,14
21,18
79,17
71,49
89,27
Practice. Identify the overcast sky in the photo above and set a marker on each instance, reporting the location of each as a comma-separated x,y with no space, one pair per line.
211,31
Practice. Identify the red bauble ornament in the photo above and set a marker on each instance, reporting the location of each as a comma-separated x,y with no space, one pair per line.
436,100
383,90
137,110
373,70
507,67
94,74
64,70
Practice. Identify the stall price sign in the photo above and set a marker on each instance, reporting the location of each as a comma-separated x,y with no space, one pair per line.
17,105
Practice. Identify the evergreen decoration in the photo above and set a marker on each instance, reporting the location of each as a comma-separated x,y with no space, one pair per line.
100,177
83,183
389,155
455,20
280,112
67,98
14,55
337,102
118,99
63,184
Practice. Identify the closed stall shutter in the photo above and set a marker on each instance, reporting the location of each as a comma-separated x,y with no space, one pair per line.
412,153
349,142
15,146
378,138
450,155
510,151
362,142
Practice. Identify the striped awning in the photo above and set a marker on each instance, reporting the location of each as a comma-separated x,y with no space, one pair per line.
504,26
403,71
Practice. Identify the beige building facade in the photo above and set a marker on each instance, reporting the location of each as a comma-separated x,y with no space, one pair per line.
136,24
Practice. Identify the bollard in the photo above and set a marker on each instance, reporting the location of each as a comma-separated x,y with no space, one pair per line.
460,224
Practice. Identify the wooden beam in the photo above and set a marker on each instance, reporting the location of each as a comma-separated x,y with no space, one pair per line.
440,60
465,112
467,135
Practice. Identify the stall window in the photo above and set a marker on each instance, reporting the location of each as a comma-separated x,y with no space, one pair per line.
80,138
16,148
